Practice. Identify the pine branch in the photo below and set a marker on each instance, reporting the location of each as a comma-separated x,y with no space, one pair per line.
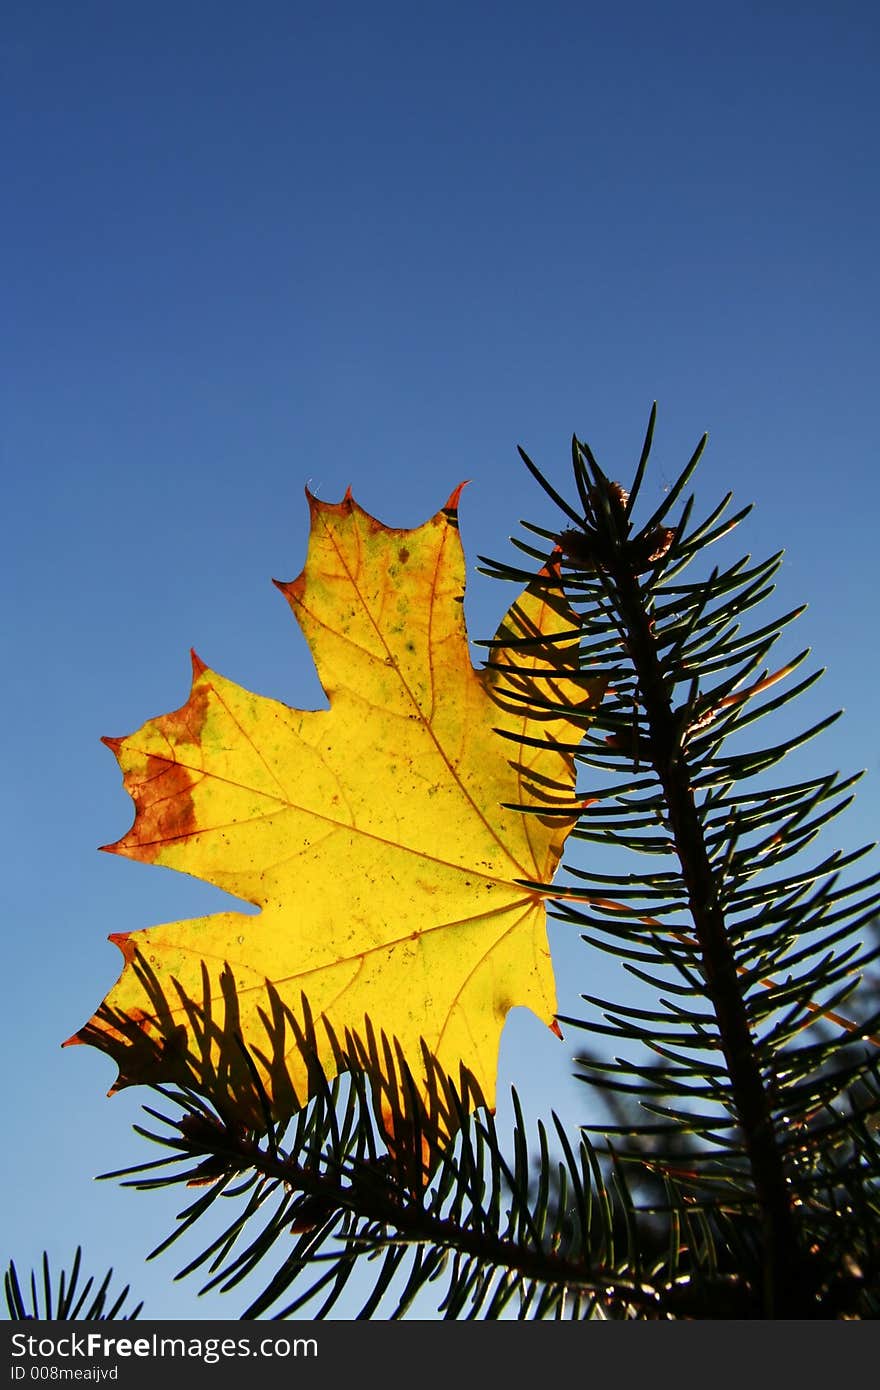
473,1211
63,1299
787,1286
682,679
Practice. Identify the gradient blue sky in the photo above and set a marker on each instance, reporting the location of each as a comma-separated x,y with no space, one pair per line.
251,248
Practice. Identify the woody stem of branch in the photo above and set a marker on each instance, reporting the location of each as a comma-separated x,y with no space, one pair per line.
405,1219
785,1292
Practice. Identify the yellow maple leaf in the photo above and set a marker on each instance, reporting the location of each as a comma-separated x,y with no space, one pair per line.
395,880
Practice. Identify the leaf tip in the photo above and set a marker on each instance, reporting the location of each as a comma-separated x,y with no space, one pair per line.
316,506
198,666
292,589
555,1028
552,568
452,504
122,939
114,744
117,847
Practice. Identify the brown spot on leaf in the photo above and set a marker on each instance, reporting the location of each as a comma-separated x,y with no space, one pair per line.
161,787
403,554
168,804
165,808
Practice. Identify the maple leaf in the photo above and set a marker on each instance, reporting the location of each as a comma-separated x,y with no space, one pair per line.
396,880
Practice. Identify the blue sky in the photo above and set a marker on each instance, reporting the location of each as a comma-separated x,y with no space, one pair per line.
253,248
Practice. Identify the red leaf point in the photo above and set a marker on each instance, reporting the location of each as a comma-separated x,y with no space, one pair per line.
452,504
